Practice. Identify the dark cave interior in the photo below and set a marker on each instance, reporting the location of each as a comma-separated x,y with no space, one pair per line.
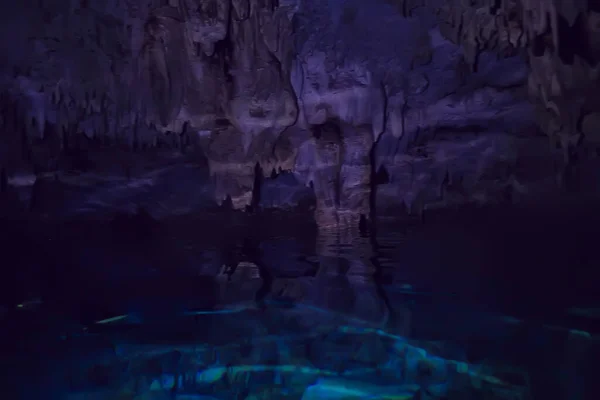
300,199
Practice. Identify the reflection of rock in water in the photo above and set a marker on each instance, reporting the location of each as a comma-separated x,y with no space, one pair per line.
324,314
139,225
345,280
239,284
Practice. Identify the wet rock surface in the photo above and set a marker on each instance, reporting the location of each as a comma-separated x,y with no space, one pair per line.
488,102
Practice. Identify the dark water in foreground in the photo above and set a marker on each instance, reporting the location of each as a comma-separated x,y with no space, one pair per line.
468,305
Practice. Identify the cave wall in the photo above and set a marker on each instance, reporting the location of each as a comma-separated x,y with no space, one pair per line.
414,104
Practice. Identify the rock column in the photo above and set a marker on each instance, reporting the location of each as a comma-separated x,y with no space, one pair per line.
342,175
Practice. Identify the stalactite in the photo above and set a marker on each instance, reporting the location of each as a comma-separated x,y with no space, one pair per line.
245,47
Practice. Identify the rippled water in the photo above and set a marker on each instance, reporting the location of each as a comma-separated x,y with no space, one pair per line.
469,305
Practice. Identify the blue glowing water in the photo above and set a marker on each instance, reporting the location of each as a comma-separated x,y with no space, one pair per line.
232,306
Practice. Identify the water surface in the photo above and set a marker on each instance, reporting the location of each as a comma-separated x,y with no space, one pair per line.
472,303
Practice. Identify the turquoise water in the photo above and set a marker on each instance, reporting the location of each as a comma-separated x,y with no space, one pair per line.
231,306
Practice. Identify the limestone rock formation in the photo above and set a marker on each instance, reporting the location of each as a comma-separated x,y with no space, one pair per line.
413,104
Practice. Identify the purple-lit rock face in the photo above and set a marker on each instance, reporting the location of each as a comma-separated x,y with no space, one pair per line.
175,105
